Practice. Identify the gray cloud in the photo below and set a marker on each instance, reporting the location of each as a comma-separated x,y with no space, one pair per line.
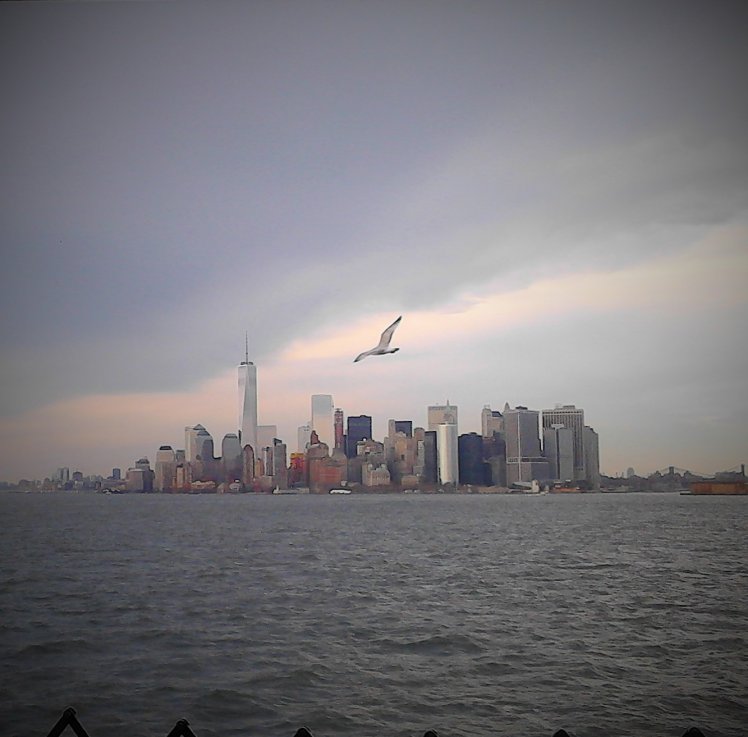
172,177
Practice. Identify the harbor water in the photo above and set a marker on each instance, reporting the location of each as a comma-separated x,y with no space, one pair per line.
475,615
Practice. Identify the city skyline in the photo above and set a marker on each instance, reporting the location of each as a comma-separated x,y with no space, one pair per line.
507,455
554,196
557,435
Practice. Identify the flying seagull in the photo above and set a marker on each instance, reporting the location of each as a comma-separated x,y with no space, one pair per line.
383,345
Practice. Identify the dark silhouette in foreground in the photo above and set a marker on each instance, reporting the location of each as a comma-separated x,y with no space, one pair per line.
182,729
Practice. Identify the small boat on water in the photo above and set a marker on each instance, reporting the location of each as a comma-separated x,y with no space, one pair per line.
340,491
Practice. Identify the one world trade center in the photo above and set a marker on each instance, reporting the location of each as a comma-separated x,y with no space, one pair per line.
248,401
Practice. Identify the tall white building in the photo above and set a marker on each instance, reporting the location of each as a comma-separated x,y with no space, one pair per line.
322,418
248,402
446,453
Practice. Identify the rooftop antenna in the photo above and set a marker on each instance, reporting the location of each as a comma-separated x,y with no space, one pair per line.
246,347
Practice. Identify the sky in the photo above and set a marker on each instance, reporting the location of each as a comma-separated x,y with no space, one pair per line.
554,195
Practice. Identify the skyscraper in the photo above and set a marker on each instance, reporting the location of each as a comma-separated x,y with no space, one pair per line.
558,448
322,418
439,414
280,464
339,434
591,457
494,453
359,428
401,453
303,436
165,471
266,434
248,401
470,459
491,421
231,457
248,465
521,428
143,475
446,453
524,461
190,442
430,470
403,426
569,416
203,445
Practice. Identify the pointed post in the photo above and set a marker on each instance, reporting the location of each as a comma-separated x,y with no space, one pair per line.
68,719
181,729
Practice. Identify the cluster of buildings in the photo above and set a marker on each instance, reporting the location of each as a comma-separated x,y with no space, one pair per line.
516,447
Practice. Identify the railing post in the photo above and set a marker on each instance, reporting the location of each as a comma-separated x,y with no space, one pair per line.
68,719
181,729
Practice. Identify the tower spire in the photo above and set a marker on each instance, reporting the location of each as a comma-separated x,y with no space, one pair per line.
246,347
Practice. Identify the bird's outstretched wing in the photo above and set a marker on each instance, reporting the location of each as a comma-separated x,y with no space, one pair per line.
386,336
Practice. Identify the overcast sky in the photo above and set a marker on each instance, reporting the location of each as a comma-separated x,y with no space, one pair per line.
553,194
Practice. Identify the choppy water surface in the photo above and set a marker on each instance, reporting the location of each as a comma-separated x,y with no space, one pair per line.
385,615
